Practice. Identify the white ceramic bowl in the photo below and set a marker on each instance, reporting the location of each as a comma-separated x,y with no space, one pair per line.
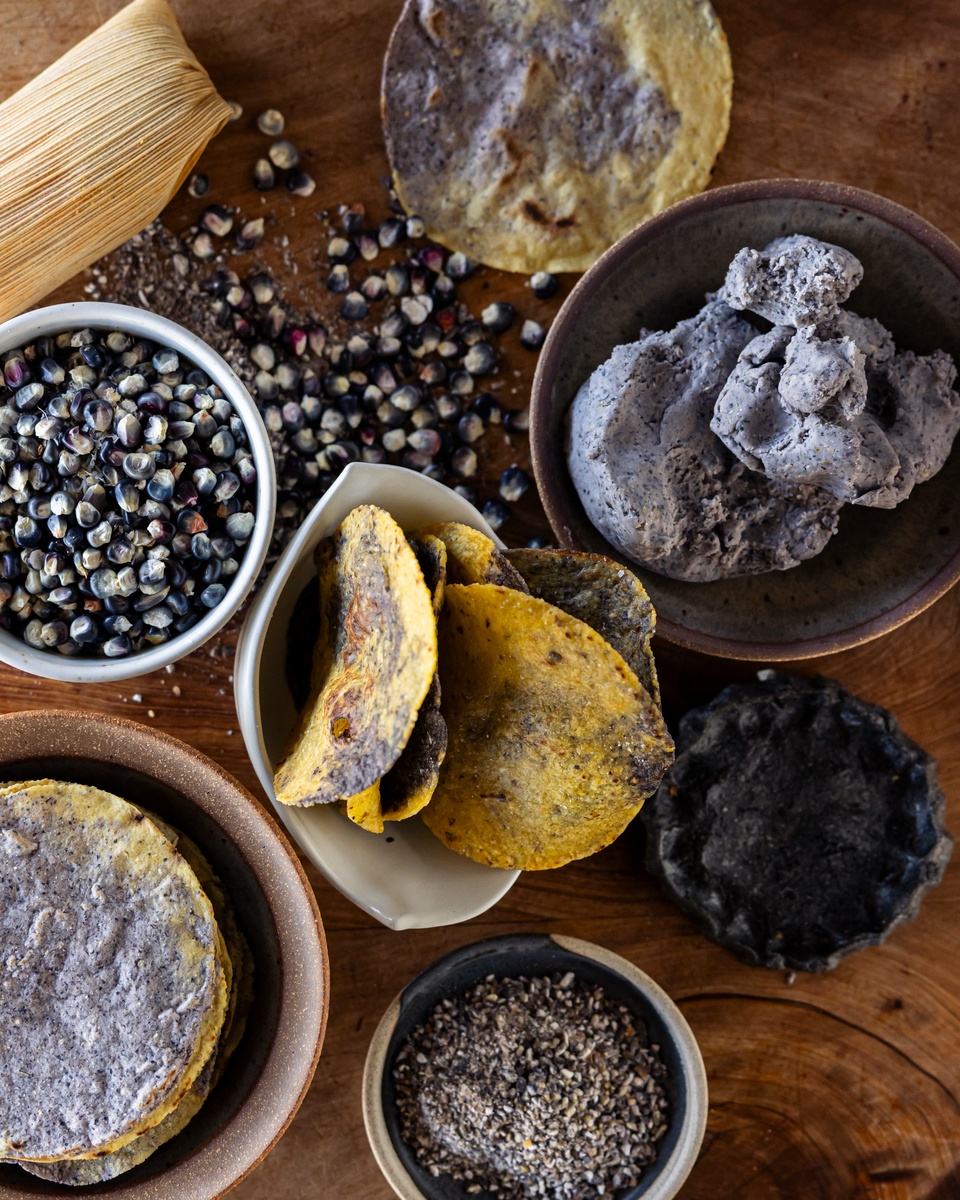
537,954
405,877
45,322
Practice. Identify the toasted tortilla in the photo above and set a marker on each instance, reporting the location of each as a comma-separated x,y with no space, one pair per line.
604,594
432,556
129,929
406,789
409,785
553,742
364,808
472,557
532,136
238,971
375,657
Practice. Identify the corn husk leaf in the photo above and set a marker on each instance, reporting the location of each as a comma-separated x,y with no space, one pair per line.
94,147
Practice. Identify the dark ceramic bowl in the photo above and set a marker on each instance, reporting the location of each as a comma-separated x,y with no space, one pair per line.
883,567
269,1074
536,954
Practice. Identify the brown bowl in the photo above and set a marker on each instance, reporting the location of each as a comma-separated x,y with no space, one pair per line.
883,567
270,1072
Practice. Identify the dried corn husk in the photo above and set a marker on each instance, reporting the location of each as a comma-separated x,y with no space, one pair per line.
94,147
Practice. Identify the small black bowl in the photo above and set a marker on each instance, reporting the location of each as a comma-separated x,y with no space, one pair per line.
533,955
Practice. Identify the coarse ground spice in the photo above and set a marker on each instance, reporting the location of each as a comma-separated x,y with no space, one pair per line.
533,1087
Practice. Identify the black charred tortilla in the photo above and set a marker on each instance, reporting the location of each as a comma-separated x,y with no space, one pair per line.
798,823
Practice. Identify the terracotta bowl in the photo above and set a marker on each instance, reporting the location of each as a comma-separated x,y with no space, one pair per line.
270,1072
883,567
536,954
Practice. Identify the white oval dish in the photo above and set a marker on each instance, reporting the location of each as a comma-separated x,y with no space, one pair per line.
44,322
405,877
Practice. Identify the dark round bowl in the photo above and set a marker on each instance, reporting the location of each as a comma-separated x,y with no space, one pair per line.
883,567
536,954
268,1075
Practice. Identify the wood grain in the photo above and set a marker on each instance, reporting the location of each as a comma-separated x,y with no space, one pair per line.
826,1088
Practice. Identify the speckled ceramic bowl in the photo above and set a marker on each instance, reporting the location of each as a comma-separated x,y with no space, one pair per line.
271,1070
50,664
536,954
883,566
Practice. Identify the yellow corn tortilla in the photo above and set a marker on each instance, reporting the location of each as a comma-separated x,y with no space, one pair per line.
131,866
532,136
604,594
375,657
472,557
553,742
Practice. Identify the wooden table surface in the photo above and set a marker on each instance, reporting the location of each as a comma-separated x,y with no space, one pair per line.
822,1088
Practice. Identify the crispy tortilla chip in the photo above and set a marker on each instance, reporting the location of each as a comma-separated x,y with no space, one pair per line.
472,557
553,742
364,808
531,136
602,593
375,658
409,785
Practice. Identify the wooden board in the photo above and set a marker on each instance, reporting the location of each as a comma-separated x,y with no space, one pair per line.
824,1088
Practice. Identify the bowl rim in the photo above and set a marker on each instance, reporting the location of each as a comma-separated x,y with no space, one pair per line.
292,904
687,1146
583,293
247,671
57,318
